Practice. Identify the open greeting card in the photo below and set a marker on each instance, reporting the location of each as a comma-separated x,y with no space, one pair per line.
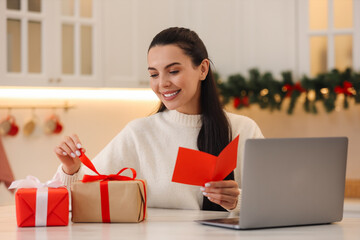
197,168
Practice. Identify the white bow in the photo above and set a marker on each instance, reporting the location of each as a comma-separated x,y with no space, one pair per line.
34,182
41,194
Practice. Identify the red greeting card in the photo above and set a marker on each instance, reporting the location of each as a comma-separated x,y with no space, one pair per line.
197,168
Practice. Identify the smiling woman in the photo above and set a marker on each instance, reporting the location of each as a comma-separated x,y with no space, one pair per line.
190,115
190,89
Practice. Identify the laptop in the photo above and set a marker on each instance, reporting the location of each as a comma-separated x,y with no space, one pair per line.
290,182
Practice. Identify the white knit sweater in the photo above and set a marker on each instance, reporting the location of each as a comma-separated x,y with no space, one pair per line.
150,146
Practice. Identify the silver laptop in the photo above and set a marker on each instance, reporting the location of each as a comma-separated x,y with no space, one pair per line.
290,182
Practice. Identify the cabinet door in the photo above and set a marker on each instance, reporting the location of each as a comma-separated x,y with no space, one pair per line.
76,32
50,43
21,26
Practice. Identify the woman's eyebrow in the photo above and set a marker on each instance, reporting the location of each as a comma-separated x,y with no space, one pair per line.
167,66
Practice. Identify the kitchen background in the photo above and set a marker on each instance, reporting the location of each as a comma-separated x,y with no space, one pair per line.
87,54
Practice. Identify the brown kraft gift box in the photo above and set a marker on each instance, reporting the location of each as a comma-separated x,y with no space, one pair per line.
126,201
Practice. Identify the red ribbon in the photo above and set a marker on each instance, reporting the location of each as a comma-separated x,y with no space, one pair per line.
290,88
345,89
104,191
241,101
105,207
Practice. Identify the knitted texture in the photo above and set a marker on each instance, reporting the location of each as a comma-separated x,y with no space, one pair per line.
150,145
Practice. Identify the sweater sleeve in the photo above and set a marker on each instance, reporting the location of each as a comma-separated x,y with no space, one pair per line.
120,152
257,132
67,179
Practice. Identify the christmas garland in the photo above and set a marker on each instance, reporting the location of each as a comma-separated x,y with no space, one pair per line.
267,92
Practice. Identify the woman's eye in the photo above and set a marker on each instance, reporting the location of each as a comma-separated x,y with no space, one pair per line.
153,75
174,72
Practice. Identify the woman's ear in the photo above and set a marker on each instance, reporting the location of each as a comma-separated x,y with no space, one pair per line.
204,69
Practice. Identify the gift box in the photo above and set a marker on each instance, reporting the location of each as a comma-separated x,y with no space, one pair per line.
41,204
125,201
108,198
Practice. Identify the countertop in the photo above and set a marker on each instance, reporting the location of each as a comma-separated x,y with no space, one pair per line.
179,224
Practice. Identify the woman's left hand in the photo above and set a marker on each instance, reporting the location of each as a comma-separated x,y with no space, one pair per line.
225,193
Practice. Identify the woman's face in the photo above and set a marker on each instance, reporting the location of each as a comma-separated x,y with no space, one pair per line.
174,79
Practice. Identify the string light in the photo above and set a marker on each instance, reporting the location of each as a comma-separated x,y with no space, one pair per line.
311,95
264,92
324,91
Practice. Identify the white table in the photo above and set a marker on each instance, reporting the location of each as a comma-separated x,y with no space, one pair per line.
179,224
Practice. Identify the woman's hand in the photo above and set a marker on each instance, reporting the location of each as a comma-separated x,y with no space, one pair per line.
68,152
225,193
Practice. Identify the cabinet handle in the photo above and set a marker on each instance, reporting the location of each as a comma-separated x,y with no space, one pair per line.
51,80
58,80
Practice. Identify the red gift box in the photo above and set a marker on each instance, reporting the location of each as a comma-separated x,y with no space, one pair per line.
57,207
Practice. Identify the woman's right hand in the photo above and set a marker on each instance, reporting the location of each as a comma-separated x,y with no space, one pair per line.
68,151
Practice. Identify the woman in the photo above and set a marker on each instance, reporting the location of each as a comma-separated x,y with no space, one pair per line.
190,115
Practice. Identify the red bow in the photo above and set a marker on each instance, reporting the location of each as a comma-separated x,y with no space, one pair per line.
290,88
345,89
241,101
92,178
105,210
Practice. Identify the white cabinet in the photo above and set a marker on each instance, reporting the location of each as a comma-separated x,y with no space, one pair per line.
239,35
50,43
104,43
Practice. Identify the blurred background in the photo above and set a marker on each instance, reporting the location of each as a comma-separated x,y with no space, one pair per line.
79,66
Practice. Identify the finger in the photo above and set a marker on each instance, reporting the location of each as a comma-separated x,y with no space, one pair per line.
229,187
222,184
69,141
59,151
77,141
66,149
224,191
221,197
231,204
64,157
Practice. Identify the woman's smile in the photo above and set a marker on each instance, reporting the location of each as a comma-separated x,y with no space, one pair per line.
170,95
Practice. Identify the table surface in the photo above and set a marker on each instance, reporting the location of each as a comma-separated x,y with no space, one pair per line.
179,224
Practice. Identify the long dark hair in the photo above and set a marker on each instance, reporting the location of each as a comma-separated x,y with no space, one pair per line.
215,132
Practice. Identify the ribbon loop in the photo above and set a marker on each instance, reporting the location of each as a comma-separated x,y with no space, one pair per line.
91,178
34,182
132,170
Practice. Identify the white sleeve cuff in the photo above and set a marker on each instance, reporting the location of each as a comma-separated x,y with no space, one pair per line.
67,179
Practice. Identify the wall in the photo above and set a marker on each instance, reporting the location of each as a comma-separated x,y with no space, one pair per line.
341,122
97,122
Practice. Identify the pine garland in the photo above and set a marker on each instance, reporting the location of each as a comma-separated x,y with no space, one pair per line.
269,93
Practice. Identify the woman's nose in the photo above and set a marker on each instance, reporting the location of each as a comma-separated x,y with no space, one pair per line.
164,82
